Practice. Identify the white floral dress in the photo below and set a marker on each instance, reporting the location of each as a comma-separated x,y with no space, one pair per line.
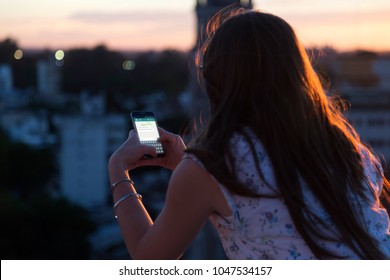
262,228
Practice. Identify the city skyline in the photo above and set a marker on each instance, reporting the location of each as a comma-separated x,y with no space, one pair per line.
155,25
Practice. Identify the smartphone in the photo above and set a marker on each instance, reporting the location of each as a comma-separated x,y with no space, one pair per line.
146,126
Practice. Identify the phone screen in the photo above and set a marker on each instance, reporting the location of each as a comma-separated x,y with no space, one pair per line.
146,126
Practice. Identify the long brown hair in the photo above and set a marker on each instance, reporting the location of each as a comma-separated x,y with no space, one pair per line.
258,76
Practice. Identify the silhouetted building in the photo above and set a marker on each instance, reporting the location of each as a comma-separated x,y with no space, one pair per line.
207,244
205,9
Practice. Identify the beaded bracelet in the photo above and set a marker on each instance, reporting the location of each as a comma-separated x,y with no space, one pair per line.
113,186
124,198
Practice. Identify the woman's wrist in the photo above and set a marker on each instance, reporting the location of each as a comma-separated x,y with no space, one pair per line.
123,188
119,175
117,172
116,163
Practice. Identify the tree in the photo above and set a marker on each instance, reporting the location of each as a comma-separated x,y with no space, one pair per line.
100,69
171,72
34,224
7,50
23,169
95,70
24,69
43,228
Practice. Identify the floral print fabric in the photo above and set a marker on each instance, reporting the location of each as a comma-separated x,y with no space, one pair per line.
262,228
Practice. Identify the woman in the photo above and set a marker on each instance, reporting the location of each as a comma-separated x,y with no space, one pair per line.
278,170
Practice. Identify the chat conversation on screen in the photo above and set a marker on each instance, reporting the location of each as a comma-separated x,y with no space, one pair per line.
147,129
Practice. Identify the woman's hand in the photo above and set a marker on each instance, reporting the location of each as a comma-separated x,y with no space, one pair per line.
131,154
174,150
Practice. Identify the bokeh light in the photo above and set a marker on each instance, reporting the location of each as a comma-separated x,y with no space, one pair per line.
59,55
128,65
18,54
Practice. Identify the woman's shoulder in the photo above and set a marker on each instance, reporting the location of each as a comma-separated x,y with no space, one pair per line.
248,150
245,142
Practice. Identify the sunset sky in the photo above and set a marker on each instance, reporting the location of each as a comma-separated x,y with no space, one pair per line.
160,24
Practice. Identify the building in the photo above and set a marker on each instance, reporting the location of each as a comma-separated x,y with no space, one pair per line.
48,79
6,79
86,142
204,10
10,97
207,244
370,116
363,79
30,128
381,68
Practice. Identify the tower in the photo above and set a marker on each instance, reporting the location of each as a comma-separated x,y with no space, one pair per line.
205,9
206,245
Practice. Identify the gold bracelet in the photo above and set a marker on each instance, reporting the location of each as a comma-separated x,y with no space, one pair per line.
113,186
